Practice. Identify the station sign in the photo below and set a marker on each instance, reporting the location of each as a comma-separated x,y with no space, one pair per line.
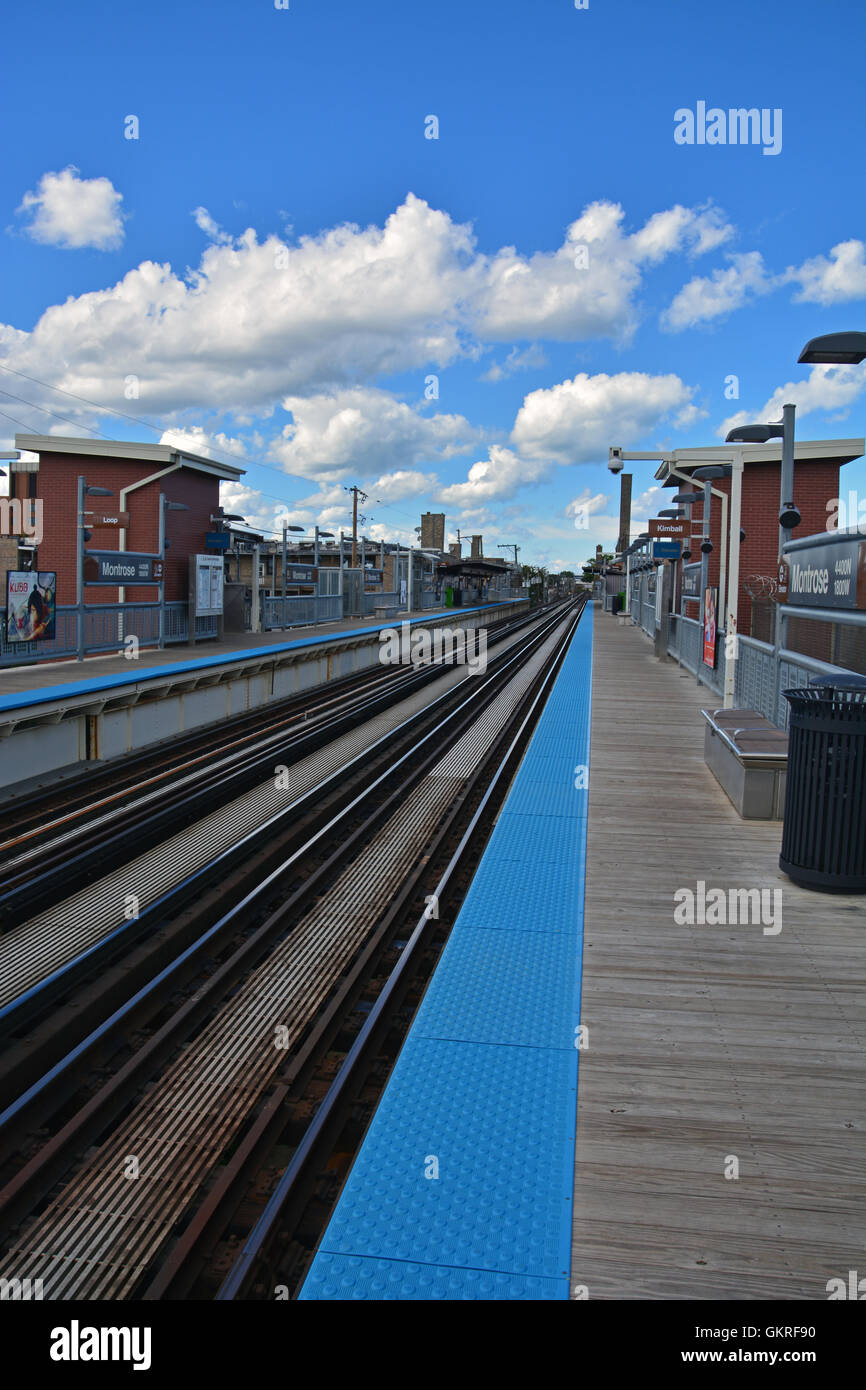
828,574
668,529
122,567
117,520
217,540
373,576
666,550
300,574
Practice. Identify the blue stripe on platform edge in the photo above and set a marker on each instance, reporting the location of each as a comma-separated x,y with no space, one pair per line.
463,1186
92,685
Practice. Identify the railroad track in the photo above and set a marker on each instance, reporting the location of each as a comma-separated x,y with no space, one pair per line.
72,845
288,978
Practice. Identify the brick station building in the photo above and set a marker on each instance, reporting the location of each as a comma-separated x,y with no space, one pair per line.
136,475
816,491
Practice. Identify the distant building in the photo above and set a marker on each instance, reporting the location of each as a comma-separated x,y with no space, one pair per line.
477,548
432,530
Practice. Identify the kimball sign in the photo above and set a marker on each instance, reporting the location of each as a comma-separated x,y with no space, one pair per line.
824,575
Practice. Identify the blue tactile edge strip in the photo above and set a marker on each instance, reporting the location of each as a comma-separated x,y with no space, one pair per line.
463,1186
92,685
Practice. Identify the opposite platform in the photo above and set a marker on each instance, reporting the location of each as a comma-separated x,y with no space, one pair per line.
462,1188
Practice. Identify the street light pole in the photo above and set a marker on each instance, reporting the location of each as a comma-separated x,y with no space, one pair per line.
285,559
732,646
79,571
786,498
161,548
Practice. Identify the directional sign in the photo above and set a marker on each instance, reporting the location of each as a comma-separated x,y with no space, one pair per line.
666,550
114,519
121,567
666,529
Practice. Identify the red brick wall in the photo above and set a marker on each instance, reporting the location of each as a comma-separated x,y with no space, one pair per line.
815,483
58,475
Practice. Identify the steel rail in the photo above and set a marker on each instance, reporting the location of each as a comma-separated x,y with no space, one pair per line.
320,1132
76,1126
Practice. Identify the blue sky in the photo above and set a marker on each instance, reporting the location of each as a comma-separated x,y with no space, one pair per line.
279,265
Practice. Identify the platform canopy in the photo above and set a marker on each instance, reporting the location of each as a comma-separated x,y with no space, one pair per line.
470,569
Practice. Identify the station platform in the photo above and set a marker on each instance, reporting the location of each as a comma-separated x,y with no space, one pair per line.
56,718
717,1149
707,1043
462,1188
98,672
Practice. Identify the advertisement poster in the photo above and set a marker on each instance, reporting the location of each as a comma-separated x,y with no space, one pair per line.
710,601
30,605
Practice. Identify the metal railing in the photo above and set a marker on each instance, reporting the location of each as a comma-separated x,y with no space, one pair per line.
762,673
280,613
107,628
379,599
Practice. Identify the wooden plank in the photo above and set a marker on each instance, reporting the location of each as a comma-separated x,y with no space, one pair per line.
706,1040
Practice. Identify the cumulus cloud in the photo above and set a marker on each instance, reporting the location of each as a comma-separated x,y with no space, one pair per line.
363,431
258,319
832,280
714,296
576,421
71,212
826,388
499,475
822,280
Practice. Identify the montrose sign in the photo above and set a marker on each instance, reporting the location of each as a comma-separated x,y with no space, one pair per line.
826,574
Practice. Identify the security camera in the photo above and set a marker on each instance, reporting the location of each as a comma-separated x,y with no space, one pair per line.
615,460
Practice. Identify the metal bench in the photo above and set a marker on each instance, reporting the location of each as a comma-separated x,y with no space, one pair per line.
383,614
748,756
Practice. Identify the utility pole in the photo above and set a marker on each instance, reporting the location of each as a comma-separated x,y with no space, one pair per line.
509,545
356,493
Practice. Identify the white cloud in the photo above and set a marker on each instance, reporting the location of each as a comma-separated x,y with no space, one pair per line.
710,297
363,432
822,280
688,416
697,230
576,421
72,212
497,476
826,388
833,280
195,439
516,361
257,320
210,227
587,503
586,288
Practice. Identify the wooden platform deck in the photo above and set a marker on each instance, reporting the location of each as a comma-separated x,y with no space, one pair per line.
707,1042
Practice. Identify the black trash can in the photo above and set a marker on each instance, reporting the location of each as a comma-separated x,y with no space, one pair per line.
824,831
